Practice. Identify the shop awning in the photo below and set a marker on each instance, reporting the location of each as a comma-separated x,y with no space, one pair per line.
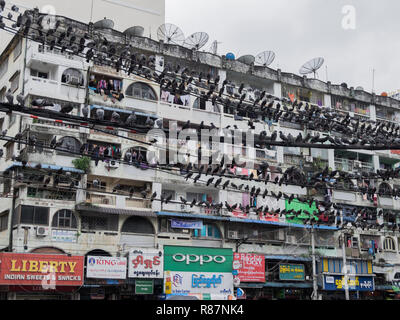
287,258
45,166
299,285
91,208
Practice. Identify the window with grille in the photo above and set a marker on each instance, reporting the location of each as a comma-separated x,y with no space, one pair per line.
4,221
389,244
99,222
34,215
18,50
141,90
167,193
137,225
64,219
3,68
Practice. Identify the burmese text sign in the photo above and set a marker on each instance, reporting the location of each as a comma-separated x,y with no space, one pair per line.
145,263
251,267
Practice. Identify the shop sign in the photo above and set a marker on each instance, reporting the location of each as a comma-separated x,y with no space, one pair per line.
45,270
144,287
291,272
106,267
182,224
197,270
183,283
251,267
145,263
355,283
197,259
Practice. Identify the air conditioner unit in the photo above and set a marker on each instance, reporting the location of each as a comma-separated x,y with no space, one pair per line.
113,164
233,234
42,231
281,235
357,164
309,158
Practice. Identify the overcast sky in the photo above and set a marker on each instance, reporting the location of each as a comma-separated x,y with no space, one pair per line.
299,30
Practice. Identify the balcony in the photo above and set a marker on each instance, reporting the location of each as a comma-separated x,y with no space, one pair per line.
116,201
54,89
353,165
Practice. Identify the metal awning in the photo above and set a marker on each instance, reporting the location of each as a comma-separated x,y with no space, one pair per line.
32,165
287,258
301,285
91,208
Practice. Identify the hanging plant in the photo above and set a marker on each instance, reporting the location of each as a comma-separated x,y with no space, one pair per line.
82,163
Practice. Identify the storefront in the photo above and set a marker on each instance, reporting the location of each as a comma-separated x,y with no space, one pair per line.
332,282
27,276
196,271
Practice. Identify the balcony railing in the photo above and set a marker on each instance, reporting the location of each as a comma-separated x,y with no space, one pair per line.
353,165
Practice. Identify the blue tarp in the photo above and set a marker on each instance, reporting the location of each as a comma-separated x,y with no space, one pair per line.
45,166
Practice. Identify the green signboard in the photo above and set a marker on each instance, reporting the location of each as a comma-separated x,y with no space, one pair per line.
197,259
291,271
296,205
144,287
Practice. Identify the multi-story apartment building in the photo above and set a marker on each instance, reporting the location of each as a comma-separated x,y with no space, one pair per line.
100,210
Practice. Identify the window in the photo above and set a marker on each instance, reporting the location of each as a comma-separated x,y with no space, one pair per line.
208,231
190,196
141,90
64,219
166,193
34,215
4,221
98,222
137,225
9,151
389,245
14,82
4,67
39,74
18,50
70,144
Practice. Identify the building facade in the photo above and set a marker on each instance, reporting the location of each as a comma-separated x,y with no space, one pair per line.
102,212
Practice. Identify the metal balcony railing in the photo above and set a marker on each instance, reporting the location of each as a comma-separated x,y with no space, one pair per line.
353,165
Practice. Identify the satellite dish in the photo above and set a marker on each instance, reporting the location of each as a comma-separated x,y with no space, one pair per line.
214,47
136,31
170,34
359,89
247,59
104,24
265,58
196,40
312,66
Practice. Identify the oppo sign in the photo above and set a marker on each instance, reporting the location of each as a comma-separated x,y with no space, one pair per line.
193,258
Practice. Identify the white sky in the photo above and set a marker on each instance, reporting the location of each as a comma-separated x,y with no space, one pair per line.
299,30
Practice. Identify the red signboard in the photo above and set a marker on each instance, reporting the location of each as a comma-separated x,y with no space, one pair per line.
45,270
251,267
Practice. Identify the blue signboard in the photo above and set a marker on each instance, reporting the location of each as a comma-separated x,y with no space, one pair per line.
182,224
356,283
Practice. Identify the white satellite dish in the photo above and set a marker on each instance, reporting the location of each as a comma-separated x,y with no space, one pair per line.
312,66
247,59
196,40
265,58
214,47
170,34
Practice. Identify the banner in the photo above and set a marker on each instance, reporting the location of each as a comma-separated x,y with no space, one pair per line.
182,224
145,263
106,267
47,270
251,267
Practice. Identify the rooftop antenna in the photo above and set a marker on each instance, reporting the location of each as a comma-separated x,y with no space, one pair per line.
373,79
170,34
196,41
265,58
312,66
